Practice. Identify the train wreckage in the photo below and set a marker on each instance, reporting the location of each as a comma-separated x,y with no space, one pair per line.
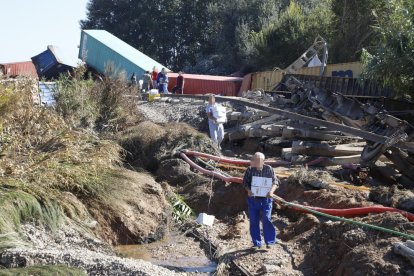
316,114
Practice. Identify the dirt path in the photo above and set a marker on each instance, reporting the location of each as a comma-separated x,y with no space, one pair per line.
235,248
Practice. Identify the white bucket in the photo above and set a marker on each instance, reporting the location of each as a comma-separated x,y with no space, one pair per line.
205,219
153,91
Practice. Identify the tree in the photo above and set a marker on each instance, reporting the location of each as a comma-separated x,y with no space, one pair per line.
206,36
230,24
352,26
170,31
392,59
283,40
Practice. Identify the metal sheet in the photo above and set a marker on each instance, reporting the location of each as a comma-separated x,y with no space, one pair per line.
246,84
47,92
49,65
100,49
266,80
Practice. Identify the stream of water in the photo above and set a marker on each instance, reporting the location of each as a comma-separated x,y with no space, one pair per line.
175,250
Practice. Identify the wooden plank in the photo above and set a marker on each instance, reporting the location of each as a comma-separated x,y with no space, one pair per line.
323,149
291,133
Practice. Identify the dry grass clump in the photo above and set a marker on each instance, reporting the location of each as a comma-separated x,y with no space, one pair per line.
147,144
42,158
105,104
310,178
38,147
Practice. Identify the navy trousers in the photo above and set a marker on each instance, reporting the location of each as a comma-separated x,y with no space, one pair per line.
263,205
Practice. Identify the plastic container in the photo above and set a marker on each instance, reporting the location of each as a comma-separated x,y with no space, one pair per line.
205,219
152,97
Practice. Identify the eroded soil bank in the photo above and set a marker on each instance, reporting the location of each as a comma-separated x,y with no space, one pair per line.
137,212
309,245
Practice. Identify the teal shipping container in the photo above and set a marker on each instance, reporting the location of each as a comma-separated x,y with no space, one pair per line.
100,49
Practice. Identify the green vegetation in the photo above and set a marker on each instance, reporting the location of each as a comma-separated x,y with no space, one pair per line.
103,105
223,37
52,162
181,211
46,270
391,61
283,40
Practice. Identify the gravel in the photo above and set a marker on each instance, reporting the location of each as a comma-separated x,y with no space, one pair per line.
76,247
94,263
192,113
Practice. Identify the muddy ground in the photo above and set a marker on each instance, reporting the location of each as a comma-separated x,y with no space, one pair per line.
146,241
307,245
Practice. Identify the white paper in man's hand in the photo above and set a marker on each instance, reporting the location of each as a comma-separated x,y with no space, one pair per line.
261,186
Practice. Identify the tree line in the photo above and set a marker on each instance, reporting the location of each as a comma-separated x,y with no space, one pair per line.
224,37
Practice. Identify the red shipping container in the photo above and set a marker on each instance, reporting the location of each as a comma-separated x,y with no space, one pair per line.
204,84
25,68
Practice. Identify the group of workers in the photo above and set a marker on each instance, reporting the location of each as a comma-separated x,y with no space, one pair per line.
158,80
259,201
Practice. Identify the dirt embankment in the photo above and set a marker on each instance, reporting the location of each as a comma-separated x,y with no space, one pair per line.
156,147
338,248
136,212
70,178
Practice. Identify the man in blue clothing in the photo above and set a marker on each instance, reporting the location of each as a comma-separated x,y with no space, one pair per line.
162,80
259,202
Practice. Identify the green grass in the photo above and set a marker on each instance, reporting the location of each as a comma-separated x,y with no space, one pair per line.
42,159
17,207
55,270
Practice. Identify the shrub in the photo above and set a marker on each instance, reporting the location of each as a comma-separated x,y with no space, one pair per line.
104,104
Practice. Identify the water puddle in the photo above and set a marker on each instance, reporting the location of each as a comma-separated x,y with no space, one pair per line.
175,251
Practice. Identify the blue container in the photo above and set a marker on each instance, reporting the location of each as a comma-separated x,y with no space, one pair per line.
107,54
48,64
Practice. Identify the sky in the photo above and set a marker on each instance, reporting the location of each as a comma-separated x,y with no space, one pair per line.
29,26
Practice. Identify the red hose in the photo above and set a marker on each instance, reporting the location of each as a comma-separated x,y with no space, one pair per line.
349,212
234,161
352,212
211,173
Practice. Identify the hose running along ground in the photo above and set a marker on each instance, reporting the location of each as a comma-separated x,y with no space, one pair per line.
234,161
362,224
349,212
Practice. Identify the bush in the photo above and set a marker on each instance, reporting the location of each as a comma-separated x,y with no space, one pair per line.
103,104
42,159
74,100
391,61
